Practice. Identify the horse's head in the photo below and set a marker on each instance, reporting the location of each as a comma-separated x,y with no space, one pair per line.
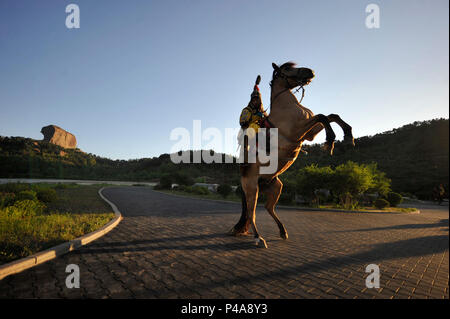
292,76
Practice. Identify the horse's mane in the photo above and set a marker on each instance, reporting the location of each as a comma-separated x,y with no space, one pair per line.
290,64
287,64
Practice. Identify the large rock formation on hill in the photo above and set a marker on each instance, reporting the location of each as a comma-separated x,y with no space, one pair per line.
56,135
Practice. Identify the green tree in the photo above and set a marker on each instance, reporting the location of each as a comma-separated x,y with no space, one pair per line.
350,180
311,178
288,192
380,183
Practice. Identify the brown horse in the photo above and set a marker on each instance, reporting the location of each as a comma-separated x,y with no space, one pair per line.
295,124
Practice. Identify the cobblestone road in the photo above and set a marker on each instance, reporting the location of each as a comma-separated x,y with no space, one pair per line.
173,247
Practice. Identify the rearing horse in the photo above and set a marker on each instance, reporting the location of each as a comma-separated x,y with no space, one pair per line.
295,124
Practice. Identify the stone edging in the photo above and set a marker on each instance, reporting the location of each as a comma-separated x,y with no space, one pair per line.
51,253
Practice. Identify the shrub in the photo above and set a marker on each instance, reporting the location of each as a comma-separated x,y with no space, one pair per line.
46,195
23,208
381,203
6,199
14,187
184,188
224,190
394,199
182,179
26,195
200,190
239,191
165,182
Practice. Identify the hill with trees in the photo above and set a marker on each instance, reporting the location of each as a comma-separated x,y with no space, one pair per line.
414,157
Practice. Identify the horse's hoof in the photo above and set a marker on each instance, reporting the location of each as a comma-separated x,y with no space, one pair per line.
245,233
284,235
260,242
234,232
349,140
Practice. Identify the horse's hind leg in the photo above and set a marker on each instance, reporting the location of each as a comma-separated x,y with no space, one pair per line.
250,187
242,226
273,193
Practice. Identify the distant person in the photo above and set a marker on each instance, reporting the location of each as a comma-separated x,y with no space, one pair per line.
441,193
435,194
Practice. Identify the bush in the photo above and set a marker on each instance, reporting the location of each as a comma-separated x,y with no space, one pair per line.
381,203
394,199
239,191
14,187
165,182
200,190
27,195
46,195
182,179
7,199
224,190
23,208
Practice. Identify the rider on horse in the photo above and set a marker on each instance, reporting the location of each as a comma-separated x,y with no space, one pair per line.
253,114
251,120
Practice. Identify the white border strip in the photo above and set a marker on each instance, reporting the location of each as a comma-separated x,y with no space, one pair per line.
51,253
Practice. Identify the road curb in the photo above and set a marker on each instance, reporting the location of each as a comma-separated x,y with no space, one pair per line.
51,253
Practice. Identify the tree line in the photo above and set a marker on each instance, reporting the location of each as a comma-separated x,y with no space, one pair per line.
414,157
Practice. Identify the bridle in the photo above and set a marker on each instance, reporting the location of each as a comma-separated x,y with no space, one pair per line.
285,77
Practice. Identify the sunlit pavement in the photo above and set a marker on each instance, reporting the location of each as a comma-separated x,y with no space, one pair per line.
173,247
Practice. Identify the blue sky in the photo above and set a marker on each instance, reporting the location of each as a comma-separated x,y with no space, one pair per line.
135,70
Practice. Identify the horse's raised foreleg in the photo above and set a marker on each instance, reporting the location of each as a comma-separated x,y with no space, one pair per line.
317,123
348,136
273,193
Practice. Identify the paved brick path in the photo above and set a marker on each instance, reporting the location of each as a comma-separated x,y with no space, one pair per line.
172,247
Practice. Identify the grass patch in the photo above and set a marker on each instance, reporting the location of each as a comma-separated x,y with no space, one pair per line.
30,226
